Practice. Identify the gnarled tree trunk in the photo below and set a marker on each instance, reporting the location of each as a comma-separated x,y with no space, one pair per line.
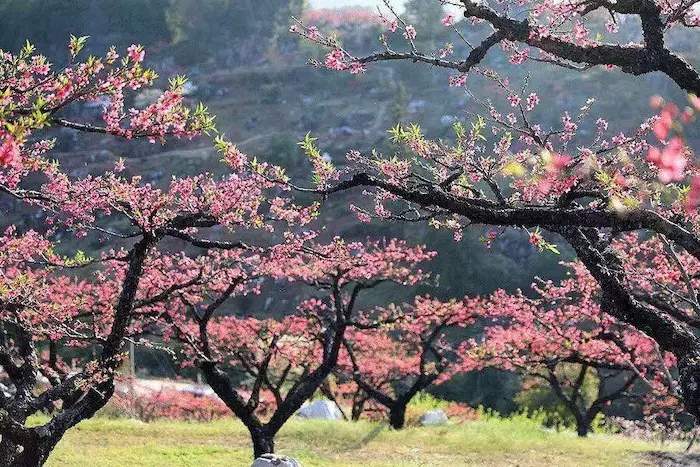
33,453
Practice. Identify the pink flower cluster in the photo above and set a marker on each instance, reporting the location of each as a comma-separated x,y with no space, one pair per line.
9,148
670,160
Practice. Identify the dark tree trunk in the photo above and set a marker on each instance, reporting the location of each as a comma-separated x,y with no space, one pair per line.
689,382
8,452
583,426
263,442
357,408
263,436
33,453
397,415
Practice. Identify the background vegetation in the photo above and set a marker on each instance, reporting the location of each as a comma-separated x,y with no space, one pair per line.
252,74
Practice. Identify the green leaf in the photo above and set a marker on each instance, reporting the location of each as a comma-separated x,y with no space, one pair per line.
77,43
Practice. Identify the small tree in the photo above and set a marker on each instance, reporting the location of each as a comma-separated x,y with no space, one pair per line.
288,359
565,339
391,364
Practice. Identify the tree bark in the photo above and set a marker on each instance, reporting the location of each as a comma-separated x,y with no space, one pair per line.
263,442
583,426
358,407
32,453
397,415
8,452
689,381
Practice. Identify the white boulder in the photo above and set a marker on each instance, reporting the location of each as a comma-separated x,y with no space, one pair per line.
433,417
273,460
322,409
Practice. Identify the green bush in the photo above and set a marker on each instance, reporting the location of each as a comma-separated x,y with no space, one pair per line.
538,401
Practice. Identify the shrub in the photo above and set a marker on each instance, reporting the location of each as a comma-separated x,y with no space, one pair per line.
166,404
537,400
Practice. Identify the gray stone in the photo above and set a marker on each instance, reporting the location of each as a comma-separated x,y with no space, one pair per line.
322,409
273,460
433,417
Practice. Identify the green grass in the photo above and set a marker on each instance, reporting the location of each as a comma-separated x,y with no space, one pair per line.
491,442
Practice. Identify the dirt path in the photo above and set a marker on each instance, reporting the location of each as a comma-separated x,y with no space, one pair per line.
672,459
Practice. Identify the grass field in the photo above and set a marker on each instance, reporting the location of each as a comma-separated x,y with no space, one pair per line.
493,442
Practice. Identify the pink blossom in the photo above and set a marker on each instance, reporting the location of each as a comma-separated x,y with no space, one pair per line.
9,149
514,100
559,162
356,68
136,53
670,160
664,122
41,69
410,33
335,60
580,32
620,180
63,91
313,33
519,56
111,56
119,166
392,25
448,49
532,101
457,80
569,126
448,20
601,125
